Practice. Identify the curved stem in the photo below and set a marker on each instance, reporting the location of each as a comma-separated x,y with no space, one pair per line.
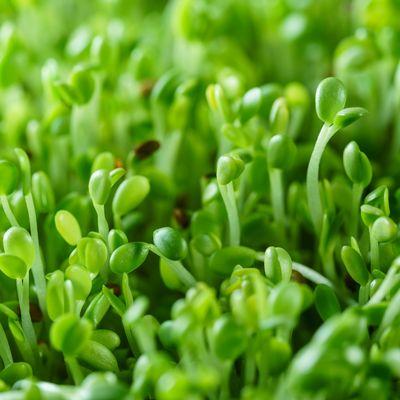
74,369
184,275
277,197
355,207
102,221
374,251
5,351
8,211
37,267
130,338
26,321
387,284
313,193
311,275
228,197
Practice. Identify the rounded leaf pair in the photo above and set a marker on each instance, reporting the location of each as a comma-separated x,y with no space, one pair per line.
279,116
100,186
281,152
18,242
128,257
69,334
277,264
68,227
92,253
356,164
42,192
330,98
130,194
384,230
228,338
170,243
229,168
19,253
355,265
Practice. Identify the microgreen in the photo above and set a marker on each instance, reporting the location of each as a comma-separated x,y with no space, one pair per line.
178,221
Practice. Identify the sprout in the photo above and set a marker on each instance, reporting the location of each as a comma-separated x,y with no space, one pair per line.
129,195
358,169
92,253
217,101
99,186
18,242
13,266
128,257
116,238
348,116
326,302
81,281
279,116
42,192
330,98
277,264
55,295
250,104
68,227
170,243
384,229
381,231
69,334
355,265
228,338
99,190
82,84
229,168
281,152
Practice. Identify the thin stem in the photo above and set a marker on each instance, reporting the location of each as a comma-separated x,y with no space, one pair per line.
391,313
311,275
363,294
228,197
74,369
27,325
313,193
355,208
129,336
374,251
8,211
388,282
102,221
117,221
277,196
5,351
37,267
177,267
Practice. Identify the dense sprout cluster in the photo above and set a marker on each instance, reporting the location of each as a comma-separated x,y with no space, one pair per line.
199,199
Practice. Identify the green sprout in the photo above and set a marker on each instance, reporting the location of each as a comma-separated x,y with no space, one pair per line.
171,225
330,100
